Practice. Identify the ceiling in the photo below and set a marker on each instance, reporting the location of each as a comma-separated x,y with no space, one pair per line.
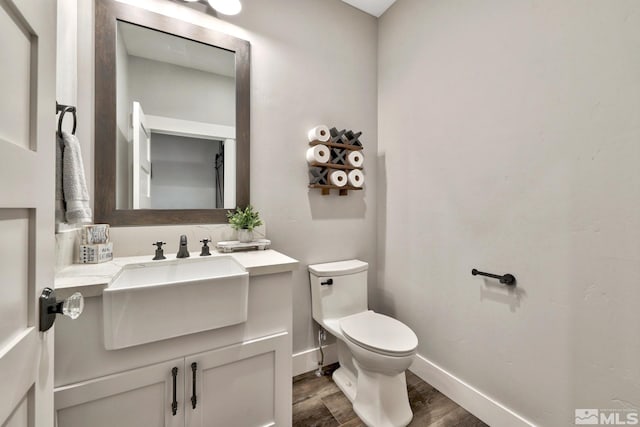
372,7
162,47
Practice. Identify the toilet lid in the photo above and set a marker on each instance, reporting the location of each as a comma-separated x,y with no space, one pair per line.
378,332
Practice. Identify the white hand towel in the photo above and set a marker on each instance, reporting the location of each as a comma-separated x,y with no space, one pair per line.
74,183
59,193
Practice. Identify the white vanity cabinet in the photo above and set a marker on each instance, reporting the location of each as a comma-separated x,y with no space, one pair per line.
242,372
238,385
139,397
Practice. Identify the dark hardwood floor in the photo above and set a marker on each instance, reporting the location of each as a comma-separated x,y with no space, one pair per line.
317,402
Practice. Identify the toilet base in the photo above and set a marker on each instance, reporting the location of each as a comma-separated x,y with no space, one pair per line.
345,382
382,400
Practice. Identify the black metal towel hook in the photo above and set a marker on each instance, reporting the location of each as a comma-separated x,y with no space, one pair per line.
63,109
506,279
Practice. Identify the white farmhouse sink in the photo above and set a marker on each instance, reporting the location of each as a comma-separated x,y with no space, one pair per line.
164,299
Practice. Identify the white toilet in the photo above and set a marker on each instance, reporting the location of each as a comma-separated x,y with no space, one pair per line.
373,350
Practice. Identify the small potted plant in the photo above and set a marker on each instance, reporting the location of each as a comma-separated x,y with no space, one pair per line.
244,220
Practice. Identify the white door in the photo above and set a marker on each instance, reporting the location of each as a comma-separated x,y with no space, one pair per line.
27,162
137,398
141,159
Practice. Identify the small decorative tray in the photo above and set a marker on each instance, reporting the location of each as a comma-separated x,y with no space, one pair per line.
235,245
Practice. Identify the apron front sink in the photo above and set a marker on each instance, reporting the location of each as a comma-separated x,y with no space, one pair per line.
158,300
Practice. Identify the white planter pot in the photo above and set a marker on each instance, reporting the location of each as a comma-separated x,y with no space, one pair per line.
245,236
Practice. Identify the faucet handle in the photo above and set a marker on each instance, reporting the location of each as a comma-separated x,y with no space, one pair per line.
205,247
159,251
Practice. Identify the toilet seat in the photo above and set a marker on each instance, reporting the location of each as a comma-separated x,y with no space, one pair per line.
379,333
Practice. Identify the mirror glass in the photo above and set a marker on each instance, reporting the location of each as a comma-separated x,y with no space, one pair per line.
175,120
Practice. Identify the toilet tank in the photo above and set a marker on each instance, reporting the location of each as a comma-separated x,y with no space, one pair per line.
348,293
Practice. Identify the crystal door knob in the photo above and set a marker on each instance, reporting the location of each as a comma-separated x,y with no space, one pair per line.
73,306
50,307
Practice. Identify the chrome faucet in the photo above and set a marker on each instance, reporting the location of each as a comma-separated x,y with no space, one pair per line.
183,252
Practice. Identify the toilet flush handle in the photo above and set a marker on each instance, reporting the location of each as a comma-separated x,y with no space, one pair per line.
329,282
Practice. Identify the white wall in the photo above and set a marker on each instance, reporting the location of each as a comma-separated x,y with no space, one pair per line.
509,142
312,62
169,90
66,59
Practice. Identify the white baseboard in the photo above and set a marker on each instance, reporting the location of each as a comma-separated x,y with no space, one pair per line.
474,401
307,360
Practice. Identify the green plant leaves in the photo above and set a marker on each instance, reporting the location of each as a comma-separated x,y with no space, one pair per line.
244,219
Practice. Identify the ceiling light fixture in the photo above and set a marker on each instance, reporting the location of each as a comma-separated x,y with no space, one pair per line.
226,7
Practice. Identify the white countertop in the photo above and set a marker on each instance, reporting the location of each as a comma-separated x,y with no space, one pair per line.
91,279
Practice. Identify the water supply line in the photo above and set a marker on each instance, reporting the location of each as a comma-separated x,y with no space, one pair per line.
322,335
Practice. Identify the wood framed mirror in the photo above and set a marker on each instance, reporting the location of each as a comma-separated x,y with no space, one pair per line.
171,119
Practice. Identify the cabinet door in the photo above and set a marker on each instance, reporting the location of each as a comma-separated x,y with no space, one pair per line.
140,397
243,385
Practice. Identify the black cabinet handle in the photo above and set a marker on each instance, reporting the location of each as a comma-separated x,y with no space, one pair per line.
194,399
174,404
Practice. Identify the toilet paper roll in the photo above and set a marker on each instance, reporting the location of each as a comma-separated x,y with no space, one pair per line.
355,158
355,178
318,153
338,178
319,133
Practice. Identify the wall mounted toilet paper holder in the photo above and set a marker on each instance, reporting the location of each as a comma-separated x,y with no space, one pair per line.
339,144
505,279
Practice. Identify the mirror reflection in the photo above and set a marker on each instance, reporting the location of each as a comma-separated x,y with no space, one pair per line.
176,104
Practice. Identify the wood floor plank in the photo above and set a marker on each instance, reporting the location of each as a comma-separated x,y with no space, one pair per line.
459,417
308,385
339,406
356,422
413,379
312,413
318,402
431,407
